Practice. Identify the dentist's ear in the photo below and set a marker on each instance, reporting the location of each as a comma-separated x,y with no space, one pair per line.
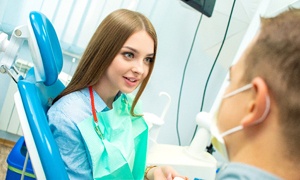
259,106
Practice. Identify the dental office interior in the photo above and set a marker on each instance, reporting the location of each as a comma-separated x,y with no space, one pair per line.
195,49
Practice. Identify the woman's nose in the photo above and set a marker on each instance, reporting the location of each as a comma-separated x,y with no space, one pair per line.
138,67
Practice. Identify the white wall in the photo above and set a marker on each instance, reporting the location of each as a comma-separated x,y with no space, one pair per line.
76,20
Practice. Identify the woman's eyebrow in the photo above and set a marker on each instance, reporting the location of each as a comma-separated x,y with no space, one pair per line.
132,49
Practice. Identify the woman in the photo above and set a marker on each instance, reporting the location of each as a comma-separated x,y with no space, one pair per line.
98,127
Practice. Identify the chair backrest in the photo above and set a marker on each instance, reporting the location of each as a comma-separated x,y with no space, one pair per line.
37,90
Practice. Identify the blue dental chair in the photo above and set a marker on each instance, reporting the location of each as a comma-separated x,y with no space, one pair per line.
36,92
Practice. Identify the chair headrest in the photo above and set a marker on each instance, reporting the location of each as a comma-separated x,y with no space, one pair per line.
46,49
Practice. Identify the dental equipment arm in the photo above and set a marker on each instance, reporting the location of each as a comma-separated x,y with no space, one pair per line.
10,48
43,45
192,161
202,138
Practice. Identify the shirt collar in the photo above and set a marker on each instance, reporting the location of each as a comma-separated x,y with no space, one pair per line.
99,103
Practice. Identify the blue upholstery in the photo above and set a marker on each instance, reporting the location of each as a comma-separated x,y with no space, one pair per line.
48,45
37,96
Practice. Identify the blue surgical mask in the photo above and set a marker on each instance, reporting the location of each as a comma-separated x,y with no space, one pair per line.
217,137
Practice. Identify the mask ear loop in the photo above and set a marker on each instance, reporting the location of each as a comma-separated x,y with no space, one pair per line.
244,88
263,117
230,131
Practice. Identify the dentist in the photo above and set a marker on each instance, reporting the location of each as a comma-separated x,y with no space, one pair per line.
257,126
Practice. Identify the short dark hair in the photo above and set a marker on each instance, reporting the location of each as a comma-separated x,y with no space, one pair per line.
275,57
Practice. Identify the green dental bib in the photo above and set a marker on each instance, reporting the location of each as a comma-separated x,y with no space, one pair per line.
121,153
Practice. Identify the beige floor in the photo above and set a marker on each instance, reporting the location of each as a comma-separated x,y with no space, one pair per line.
5,148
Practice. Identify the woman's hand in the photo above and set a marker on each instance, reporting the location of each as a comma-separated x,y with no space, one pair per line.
163,173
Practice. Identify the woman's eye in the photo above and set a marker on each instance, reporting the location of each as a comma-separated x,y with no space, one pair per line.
128,55
149,59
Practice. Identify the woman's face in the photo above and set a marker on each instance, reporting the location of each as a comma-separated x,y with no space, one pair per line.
131,65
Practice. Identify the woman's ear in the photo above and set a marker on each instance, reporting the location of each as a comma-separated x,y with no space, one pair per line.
259,106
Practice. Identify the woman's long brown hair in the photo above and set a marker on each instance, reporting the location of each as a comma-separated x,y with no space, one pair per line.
104,45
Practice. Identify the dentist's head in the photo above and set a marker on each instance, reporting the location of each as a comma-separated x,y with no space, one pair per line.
259,116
